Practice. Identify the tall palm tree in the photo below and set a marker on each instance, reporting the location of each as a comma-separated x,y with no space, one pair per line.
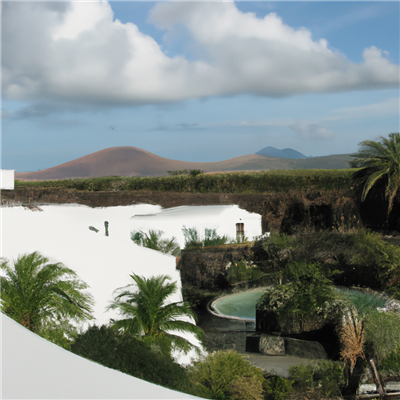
148,316
379,160
43,296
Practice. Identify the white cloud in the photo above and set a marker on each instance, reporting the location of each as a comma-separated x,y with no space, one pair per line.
76,52
311,131
388,107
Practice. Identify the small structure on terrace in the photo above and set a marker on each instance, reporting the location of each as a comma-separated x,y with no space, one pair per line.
7,179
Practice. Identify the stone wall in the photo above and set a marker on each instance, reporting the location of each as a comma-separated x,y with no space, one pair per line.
206,268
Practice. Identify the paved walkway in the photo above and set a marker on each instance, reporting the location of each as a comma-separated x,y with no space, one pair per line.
274,365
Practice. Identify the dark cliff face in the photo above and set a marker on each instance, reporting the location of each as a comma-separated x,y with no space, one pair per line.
286,212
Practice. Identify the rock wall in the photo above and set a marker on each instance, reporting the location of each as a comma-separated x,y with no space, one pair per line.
272,345
205,268
281,212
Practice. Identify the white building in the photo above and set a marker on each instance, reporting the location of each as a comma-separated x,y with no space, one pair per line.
34,368
7,179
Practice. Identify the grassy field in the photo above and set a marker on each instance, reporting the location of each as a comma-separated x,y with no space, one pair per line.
233,182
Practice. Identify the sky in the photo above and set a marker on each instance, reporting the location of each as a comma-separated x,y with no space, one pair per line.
195,81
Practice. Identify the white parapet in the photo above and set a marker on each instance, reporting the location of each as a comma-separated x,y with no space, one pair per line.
7,179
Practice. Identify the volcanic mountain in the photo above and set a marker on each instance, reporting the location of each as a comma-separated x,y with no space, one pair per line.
285,153
132,161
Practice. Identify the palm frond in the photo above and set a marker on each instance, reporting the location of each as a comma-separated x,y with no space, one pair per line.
379,160
148,309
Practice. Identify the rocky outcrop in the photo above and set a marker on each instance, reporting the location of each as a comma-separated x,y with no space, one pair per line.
284,346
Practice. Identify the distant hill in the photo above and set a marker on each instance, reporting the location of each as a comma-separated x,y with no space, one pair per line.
132,161
285,153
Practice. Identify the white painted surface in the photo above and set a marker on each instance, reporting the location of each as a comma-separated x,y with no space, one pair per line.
7,179
33,368
61,233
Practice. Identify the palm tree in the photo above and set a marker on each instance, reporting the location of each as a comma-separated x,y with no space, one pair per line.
153,240
150,318
43,296
379,160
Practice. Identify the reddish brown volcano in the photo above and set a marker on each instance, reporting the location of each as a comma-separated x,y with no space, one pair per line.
131,161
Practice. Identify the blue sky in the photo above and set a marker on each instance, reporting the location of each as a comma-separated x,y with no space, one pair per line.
195,81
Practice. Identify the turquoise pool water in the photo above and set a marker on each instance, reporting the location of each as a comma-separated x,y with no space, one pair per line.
241,305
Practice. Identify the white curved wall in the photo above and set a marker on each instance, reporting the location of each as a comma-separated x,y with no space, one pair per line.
33,368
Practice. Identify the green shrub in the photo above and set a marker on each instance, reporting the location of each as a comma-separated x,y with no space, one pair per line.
211,238
127,354
226,375
243,271
383,258
329,376
324,375
192,237
382,334
303,376
277,388
390,365
306,291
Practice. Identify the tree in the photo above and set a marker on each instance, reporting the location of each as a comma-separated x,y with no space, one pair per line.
226,375
302,302
150,318
154,241
379,160
44,296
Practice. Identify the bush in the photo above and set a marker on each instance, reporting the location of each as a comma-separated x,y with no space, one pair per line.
243,271
277,388
306,292
226,375
303,376
324,375
211,238
127,354
330,377
382,334
383,258
390,365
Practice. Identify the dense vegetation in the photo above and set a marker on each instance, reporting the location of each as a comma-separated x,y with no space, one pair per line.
226,375
126,353
302,266
232,182
360,258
